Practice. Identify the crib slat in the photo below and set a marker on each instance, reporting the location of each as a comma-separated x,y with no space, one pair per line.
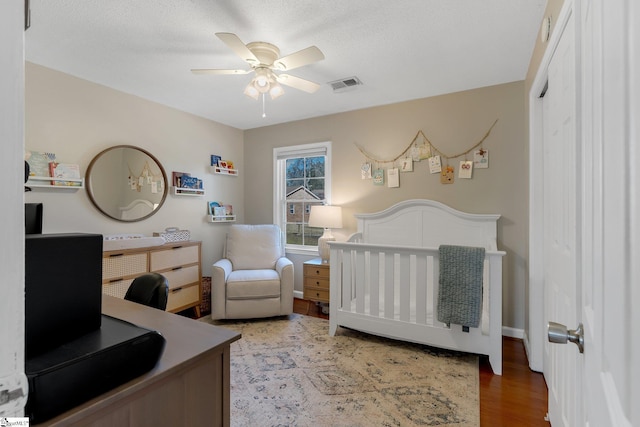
421,289
433,301
404,286
347,280
389,290
359,282
374,271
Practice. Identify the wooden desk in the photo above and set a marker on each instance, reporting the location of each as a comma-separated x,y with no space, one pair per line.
188,387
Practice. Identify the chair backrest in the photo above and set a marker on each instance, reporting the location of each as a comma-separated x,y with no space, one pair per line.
150,289
254,247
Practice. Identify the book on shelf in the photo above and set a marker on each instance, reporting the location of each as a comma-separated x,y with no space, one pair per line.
191,182
176,178
39,163
66,170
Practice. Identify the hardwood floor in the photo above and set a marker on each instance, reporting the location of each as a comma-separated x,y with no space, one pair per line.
517,398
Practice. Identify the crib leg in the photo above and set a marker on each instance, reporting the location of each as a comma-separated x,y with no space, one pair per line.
332,327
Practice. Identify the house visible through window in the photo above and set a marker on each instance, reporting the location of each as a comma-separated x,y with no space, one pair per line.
302,179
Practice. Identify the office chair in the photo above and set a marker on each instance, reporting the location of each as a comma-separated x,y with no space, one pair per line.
150,289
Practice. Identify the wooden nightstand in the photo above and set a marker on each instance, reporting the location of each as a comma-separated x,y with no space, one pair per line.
316,280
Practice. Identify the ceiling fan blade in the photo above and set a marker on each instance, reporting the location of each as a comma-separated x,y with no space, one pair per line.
297,83
298,59
213,71
238,47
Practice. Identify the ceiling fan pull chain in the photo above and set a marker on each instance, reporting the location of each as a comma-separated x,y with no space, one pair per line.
264,114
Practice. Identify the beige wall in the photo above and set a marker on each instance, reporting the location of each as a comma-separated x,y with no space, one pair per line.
77,119
453,123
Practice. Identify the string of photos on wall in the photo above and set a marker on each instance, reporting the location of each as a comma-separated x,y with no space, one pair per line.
421,148
136,181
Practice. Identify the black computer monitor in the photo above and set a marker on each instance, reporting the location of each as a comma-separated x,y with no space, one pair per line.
33,218
63,288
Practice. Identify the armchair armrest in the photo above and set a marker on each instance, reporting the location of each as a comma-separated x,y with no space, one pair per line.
284,267
219,273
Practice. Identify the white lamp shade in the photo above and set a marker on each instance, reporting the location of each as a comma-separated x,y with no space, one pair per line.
325,216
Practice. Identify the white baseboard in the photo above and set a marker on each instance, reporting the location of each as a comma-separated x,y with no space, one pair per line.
298,294
512,332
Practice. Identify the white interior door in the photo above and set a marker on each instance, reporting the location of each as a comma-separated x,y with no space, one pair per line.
560,231
611,217
591,240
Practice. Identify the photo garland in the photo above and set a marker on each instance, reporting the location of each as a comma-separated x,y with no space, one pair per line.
419,149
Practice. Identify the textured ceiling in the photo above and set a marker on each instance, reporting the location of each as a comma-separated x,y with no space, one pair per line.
400,50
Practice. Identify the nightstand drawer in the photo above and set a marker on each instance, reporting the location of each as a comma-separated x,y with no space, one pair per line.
316,294
316,271
317,282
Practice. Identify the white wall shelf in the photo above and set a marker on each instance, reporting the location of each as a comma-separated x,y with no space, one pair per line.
179,191
224,171
221,218
47,182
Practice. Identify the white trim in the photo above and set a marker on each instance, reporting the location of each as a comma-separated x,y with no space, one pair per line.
536,331
512,332
279,189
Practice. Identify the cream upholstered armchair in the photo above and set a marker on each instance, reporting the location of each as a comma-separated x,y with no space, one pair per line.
254,279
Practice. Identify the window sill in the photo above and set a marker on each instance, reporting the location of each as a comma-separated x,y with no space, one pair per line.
311,250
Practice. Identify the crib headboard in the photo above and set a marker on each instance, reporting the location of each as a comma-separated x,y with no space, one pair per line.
427,223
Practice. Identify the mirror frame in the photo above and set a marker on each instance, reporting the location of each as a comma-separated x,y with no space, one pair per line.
90,189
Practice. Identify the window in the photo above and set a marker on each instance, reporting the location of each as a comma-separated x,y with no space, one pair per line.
302,179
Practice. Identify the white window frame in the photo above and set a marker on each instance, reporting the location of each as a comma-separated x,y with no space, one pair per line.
279,188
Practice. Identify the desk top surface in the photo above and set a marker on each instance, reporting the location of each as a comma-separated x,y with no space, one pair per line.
188,342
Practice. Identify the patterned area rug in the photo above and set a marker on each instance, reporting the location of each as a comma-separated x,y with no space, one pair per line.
288,371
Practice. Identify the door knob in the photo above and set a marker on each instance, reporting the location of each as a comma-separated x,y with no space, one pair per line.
558,333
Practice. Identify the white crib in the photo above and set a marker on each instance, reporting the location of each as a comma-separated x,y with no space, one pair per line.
384,279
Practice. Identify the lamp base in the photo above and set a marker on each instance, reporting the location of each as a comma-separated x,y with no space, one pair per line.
323,246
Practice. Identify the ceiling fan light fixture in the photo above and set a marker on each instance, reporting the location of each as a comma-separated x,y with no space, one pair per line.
262,80
276,90
251,91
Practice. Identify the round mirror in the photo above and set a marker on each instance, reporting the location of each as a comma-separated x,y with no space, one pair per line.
126,183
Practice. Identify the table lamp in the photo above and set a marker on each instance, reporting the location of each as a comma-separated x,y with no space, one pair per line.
327,217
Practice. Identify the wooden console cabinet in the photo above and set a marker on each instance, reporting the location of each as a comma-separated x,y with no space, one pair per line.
179,262
316,280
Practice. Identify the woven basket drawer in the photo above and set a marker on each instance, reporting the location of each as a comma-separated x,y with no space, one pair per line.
117,288
182,297
114,267
182,276
175,257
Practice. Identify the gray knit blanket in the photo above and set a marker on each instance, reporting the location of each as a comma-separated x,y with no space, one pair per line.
460,296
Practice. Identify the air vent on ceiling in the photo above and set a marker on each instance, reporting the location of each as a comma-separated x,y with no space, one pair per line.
345,84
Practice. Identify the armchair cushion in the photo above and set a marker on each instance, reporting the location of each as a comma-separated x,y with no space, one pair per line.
253,284
254,247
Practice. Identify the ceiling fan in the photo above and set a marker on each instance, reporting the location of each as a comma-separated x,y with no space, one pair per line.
265,61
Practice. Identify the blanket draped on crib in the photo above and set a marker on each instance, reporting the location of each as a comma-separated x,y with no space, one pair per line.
460,296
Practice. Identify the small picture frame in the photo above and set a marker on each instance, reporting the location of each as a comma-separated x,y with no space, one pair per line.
406,164
215,159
